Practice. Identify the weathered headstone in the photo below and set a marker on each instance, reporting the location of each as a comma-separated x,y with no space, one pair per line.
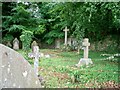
16,44
65,30
35,54
57,43
69,41
85,60
34,43
16,71
74,43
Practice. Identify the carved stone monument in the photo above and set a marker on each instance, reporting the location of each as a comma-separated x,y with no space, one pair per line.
16,71
35,55
85,60
65,30
16,44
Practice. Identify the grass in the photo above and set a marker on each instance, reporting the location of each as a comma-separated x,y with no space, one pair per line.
59,70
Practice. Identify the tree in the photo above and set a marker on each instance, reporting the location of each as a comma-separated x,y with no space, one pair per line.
22,20
94,20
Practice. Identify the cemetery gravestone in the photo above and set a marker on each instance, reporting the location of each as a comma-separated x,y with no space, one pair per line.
74,43
86,44
85,60
65,30
69,41
35,54
57,43
16,44
16,71
34,43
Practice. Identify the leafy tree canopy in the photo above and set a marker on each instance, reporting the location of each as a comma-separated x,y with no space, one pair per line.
47,20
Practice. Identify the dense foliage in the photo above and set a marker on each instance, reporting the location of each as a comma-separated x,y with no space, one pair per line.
22,20
94,20
26,39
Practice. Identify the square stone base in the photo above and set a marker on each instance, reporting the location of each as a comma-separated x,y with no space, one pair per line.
84,61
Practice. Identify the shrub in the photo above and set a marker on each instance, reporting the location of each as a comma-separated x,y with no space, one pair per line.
7,40
75,76
26,39
66,48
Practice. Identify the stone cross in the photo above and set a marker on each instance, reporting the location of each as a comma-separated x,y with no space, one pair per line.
35,54
86,50
85,60
16,44
65,30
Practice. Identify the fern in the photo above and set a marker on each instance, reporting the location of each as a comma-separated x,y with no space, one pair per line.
16,28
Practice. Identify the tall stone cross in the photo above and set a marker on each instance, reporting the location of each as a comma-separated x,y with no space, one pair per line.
86,44
65,30
85,60
35,55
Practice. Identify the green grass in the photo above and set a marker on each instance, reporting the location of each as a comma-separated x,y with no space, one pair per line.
59,70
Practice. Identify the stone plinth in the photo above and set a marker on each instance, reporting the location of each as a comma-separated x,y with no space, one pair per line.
84,61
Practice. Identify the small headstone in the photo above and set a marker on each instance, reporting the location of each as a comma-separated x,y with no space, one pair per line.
65,30
35,55
16,71
16,44
69,41
85,60
34,43
57,43
74,43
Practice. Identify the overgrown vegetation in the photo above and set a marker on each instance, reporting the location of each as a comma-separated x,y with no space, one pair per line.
59,70
26,39
95,20
45,21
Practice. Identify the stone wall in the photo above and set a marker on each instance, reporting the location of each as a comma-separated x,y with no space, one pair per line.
108,44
